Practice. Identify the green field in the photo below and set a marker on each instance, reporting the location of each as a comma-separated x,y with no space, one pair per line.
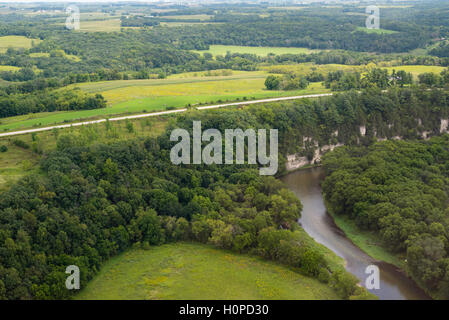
189,17
16,42
305,68
137,96
378,31
417,70
111,25
102,25
260,51
14,164
195,271
9,68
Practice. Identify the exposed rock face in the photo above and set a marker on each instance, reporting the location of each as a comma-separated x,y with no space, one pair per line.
362,131
444,125
296,162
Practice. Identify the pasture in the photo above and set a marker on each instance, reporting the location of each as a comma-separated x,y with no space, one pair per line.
417,70
305,68
201,17
196,271
137,96
16,42
9,68
106,25
260,51
378,31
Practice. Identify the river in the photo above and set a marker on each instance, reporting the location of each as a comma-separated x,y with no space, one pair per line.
315,220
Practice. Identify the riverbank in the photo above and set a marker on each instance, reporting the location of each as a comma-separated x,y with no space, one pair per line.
320,225
367,241
370,244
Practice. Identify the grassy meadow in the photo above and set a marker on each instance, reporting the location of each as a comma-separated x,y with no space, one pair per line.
137,96
306,68
260,51
16,42
15,164
417,70
100,25
9,68
181,90
107,25
378,31
196,271
201,17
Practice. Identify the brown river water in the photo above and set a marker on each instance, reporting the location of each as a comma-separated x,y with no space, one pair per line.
315,220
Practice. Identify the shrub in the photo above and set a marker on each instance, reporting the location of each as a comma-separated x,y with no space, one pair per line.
21,144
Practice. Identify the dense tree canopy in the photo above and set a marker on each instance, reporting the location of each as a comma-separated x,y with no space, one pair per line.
399,190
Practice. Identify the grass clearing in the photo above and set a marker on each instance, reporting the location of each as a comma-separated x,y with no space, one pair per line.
260,51
416,70
40,55
201,17
16,42
306,68
181,24
377,31
137,96
9,68
196,271
103,25
110,25
15,163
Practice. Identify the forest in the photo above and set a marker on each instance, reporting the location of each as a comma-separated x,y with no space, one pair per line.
398,189
78,197
93,200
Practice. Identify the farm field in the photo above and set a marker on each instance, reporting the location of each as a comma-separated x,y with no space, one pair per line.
136,96
16,42
194,271
189,17
417,70
379,31
260,51
103,25
181,24
111,25
305,68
